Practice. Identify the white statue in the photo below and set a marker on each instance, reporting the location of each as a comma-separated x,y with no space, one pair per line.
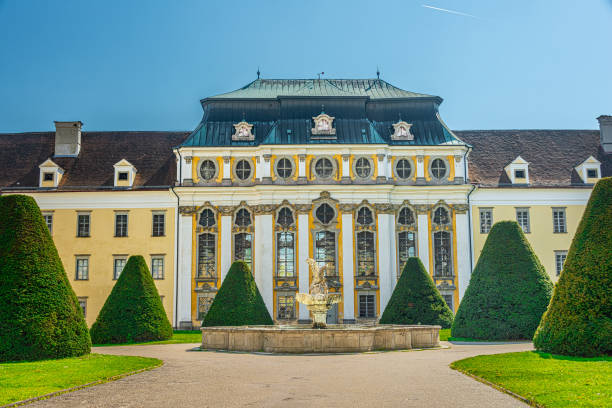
318,301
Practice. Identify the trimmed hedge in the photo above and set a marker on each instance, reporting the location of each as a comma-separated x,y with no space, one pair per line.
508,292
416,299
238,302
40,317
133,312
578,321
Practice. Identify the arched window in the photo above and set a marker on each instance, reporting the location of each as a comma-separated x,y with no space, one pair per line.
405,217
207,218
243,218
285,217
364,216
207,265
441,216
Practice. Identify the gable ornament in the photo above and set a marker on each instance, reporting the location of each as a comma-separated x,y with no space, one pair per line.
243,131
323,125
401,131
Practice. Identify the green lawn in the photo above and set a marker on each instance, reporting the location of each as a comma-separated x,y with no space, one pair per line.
20,381
444,334
545,379
179,336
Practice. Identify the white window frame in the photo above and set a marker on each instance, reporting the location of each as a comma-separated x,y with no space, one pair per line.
158,213
127,223
49,214
83,300
115,259
366,293
564,225
88,215
527,229
487,227
87,270
163,266
557,255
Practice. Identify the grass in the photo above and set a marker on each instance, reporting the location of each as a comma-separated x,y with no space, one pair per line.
444,334
24,380
546,380
179,336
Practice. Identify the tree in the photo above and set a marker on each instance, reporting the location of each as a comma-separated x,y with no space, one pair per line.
133,312
508,292
238,302
40,317
416,300
578,321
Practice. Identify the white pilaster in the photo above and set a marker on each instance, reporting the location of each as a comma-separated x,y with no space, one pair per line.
304,277
420,167
227,170
188,163
226,245
263,260
348,270
386,256
302,165
184,272
459,163
258,170
463,252
382,165
265,166
423,240
346,169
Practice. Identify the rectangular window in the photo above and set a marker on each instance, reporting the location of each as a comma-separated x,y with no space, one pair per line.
47,176
449,301
207,259
367,306
49,221
285,306
243,248
406,248
159,225
560,257
204,303
522,217
486,220
83,223
123,175
83,305
82,268
285,254
157,267
559,221
443,263
325,251
118,265
121,225
592,173
519,174
366,254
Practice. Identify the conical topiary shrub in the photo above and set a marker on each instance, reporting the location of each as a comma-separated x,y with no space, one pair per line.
508,292
133,312
40,317
578,321
416,300
238,302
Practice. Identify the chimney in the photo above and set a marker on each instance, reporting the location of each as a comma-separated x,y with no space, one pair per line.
605,132
67,138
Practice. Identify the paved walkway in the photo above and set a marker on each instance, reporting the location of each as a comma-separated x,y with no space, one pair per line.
213,379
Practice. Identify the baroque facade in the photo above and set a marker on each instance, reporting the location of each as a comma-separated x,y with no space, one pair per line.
357,174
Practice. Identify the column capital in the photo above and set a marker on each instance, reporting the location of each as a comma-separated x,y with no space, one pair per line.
188,159
347,208
384,208
262,209
226,209
460,208
303,208
226,159
421,208
420,158
187,209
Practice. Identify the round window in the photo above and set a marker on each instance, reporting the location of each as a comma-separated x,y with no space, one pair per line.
324,168
403,168
284,168
325,213
438,168
362,167
243,169
208,170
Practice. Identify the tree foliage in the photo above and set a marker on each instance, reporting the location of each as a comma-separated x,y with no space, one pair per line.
508,292
238,302
416,300
40,317
133,312
578,321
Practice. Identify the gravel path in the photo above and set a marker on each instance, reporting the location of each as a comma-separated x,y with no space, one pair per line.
214,379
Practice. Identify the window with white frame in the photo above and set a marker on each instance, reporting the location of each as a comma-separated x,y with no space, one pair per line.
559,221
365,242
119,262
442,243
207,255
367,305
83,225
121,224
486,220
285,306
522,217
285,243
325,250
82,267
406,237
243,239
83,304
157,266
560,257
159,224
48,217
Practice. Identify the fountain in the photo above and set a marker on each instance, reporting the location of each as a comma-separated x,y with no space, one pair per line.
311,339
319,300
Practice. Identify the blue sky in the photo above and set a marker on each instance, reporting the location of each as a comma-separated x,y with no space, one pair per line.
144,65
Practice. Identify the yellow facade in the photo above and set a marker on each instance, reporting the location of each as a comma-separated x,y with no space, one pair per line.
541,236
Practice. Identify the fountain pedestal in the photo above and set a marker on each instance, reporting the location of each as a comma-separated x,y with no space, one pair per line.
318,305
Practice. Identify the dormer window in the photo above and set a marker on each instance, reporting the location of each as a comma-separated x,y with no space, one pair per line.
50,174
589,170
125,173
518,171
323,126
401,131
243,131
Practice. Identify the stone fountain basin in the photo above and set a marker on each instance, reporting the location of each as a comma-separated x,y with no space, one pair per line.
333,339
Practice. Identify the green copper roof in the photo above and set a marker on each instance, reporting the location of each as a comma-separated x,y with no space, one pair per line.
273,88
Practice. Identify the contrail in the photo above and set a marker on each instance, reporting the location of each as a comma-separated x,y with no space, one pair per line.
449,11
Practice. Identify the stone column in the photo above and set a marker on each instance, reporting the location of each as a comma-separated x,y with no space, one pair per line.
348,269
302,177
463,269
423,235
227,171
386,255
226,241
184,269
263,261
304,273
